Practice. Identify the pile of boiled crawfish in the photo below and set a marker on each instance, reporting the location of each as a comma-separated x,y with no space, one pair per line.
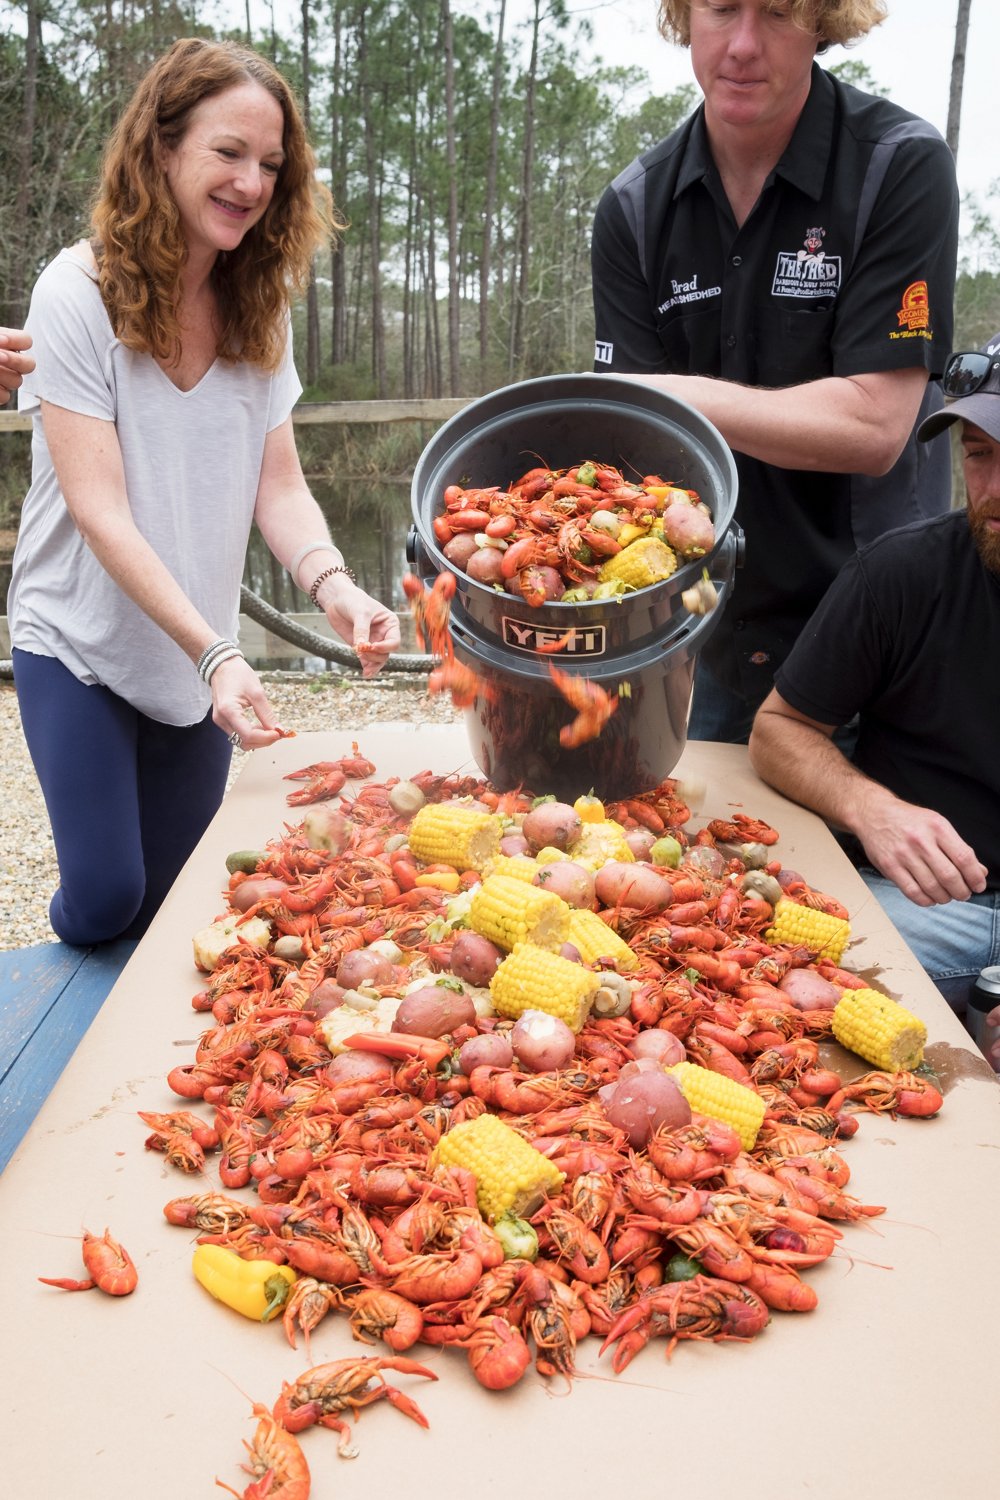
340,1185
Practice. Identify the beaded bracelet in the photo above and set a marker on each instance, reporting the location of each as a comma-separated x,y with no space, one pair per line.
328,573
211,652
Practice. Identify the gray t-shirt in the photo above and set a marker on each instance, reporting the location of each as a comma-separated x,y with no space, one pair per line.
192,465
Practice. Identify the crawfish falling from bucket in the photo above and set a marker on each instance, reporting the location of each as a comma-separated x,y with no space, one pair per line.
431,610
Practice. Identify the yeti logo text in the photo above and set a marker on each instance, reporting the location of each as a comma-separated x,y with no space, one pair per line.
585,640
603,352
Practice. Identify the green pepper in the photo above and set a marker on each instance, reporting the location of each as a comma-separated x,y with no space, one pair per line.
256,1288
683,1267
519,1240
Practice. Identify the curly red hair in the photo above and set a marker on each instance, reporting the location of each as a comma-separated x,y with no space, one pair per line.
140,246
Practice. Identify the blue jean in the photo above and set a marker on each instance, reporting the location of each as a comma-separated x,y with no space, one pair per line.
128,798
952,942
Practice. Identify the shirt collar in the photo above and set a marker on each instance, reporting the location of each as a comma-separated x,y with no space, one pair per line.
805,160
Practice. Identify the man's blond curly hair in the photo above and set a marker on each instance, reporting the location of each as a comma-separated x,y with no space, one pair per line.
833,22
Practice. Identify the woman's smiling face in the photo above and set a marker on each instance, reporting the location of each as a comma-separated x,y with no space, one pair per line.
223,171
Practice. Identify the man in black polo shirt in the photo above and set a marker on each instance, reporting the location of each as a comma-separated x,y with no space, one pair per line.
788,256
908,638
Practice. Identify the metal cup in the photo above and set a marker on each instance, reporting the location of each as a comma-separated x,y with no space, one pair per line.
984,998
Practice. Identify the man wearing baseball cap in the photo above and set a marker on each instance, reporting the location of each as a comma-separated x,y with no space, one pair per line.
908,638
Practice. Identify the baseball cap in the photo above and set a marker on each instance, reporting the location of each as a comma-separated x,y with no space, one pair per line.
971,385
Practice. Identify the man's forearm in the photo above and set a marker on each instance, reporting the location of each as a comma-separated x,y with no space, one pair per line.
836,425
805,765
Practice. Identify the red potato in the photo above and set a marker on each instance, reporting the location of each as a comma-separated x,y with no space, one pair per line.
706,860
532,580
484,565
640,841
489,1050
513,843
542,1042
688,530
662,1046
327,996
573,882
808,990
642,1103
642,886
326,828
433,1011
362,966
256,888
460,549
551,825
475,959
351,1066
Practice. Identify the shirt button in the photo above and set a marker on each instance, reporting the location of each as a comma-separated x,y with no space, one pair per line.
737,260
731,341
739,624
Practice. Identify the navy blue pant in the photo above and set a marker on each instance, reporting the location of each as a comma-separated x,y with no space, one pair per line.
128,798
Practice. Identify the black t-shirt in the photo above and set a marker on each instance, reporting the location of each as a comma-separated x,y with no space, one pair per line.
845,266
908,637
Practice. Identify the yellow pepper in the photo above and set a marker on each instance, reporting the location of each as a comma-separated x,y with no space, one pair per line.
256,1288
589,809
444,880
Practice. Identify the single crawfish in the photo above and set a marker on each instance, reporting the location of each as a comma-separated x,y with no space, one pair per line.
377,1314
702,1308
593,706
345,1384
890,1093
111,1268
277,1464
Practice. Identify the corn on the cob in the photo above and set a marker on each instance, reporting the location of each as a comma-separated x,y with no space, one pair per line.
594,939
532,978
801,926
517,866
464,837
721,1097
511,1176
641,563
508,911
599,842
878,1029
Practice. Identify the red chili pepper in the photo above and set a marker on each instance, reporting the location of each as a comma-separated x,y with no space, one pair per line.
399,1045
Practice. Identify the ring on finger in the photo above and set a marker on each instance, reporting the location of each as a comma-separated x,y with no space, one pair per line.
235,740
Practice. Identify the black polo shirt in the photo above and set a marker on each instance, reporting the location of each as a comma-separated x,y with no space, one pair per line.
908,638
845,266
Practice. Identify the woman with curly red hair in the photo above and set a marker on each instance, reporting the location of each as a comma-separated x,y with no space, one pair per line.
161,402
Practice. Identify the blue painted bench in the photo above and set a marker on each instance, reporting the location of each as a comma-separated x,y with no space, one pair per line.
49,994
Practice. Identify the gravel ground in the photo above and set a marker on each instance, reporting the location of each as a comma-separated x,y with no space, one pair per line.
28,872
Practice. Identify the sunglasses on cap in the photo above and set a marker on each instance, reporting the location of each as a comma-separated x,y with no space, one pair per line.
964,374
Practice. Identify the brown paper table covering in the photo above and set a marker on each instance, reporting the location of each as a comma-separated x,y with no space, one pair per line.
890,1383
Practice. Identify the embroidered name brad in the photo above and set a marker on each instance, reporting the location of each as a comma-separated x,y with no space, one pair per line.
687,291
799,274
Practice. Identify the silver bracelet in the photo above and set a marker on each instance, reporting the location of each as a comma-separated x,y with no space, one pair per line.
212,651
217,661
303,553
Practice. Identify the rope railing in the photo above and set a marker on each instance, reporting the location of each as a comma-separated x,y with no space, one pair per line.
308,641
